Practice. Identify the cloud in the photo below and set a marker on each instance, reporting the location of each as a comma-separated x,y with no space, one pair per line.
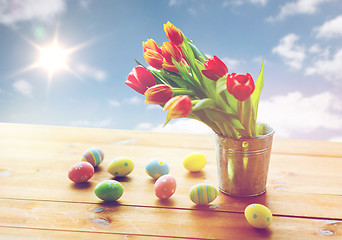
174,2
14,11
23,87
298,7
114,103
184,125
330,29
134,100
292,53
85,3
261,2
96,124
330,69
295,114
91,72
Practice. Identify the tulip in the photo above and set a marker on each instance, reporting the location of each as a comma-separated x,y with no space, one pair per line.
153,58
151,44
179,106
240,86
158,94
170,51
140,79
214,68
173,34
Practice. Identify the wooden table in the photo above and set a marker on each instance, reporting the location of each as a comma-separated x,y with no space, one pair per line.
38,201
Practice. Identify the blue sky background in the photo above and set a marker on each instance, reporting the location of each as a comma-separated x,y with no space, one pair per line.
300,40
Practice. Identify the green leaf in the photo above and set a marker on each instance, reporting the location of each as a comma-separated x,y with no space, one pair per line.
198,54
221,85
204,103
258,88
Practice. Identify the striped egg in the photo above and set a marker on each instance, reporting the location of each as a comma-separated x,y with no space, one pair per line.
93,155
203,193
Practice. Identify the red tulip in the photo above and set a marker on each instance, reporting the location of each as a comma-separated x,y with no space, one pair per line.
151,44
240,86
173,34
214,68
179,106
153,58
158,94
140,79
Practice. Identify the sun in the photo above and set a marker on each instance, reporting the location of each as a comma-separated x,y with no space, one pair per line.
53,58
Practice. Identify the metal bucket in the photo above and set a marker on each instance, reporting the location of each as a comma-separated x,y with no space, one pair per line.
243,163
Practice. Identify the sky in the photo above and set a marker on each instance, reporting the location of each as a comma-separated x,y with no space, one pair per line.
300,40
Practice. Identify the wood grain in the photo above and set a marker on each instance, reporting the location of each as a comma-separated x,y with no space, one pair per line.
304,188
114,218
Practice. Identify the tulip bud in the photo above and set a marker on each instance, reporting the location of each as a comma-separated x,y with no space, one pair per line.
170,51
158,94
173,34
179,106
140,79
214,68
151,44
153,58
240,86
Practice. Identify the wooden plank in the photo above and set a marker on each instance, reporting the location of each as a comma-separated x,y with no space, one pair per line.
38,170
124,137
15,233
111,218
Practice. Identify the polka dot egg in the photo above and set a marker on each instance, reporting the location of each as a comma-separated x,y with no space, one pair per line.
81,172
203,193
109,190
93,155
194,162
258,216
156,168
165,186
120,167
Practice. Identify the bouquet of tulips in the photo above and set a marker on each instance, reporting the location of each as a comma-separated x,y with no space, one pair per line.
187,83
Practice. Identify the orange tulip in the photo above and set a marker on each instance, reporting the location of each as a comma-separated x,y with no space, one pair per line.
151,44
170,51
158,94
173,34
179,106
153,58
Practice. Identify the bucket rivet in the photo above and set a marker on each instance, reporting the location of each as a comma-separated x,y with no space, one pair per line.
244,144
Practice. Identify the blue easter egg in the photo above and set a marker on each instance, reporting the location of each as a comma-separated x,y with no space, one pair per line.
156,168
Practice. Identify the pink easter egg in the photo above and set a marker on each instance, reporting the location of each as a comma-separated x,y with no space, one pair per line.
165,186
81,172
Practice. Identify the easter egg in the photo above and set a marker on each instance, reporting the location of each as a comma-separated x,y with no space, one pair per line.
194,162
120,167
81,172
156,168
109,190
203,193
93,155
165,186
258,216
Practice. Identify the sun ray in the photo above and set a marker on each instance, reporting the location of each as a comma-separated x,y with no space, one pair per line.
53,57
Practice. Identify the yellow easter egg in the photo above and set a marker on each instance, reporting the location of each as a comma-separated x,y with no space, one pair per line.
258,216
194,162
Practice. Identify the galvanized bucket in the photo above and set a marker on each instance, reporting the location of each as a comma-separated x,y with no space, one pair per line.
243,163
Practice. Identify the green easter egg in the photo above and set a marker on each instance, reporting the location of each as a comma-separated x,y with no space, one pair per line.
109,190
